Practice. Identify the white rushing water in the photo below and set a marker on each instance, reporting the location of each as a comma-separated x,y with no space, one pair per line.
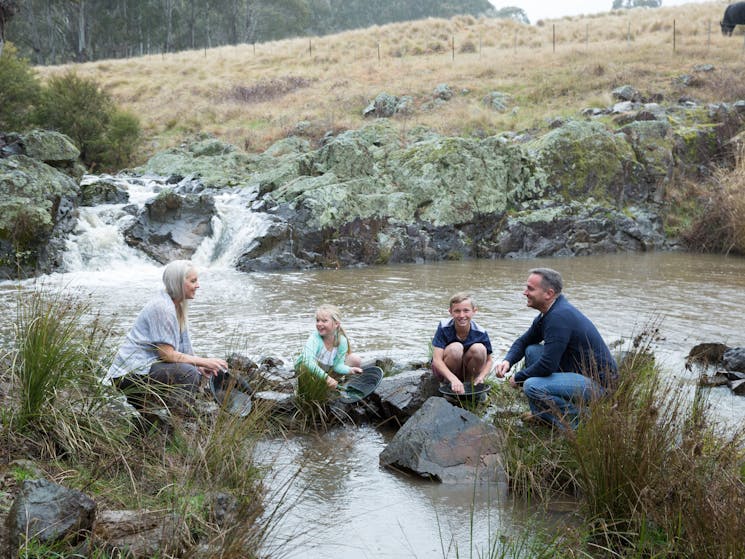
98,244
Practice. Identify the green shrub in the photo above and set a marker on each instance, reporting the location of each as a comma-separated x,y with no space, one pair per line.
78,108
19,93
122,137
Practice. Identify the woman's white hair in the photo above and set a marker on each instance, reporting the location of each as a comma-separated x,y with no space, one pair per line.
174,276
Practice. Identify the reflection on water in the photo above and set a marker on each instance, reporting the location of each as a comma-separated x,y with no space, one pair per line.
344,505
351,507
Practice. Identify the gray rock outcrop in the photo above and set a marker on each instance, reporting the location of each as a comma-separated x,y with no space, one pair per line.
172,226
47,512
446,443
401,396
37,211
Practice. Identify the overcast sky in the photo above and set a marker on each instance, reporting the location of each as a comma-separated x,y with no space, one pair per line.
544,9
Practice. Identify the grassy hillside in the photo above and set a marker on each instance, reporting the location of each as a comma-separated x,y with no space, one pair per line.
252,96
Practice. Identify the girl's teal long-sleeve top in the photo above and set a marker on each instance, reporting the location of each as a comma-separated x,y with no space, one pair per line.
314,349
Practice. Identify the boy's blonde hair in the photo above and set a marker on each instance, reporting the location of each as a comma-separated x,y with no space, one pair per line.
460,297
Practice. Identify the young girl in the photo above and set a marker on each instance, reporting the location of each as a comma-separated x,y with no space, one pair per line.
327,349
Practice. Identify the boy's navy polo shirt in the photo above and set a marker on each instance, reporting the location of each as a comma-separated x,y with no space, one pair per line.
445,335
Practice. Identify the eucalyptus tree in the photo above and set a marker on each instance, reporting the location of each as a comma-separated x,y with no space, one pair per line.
8,9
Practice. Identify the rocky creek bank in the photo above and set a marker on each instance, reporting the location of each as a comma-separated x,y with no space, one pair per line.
384,194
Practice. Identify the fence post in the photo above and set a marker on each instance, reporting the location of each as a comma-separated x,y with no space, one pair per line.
453,47
310,47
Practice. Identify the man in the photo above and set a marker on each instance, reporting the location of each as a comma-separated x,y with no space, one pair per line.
572,365
461,348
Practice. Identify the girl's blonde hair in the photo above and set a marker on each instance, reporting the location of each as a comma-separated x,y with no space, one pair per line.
174,276
335,314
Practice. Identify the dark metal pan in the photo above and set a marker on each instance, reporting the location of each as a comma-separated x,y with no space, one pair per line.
360,386
232,392
472,394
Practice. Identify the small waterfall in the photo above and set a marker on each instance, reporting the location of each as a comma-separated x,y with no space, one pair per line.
234,230
97,243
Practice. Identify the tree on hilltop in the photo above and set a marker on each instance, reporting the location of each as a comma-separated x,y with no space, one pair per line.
511,12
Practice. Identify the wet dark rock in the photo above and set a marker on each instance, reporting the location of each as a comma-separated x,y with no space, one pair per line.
734,359
48,512
445,443
102,191
171,226
400,396
738,386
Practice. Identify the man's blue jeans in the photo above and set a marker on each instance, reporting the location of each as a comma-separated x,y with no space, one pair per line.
559,398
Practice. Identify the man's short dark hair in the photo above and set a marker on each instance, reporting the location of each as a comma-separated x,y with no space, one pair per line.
550,279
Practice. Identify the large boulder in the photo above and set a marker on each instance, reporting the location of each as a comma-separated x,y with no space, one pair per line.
446,443
216,163
172,226
584,158
46,512
400,396
50,147
36,204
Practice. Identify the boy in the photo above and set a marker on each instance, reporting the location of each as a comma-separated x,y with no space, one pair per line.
462,348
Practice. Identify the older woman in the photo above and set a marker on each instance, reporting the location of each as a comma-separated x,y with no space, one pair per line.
157,349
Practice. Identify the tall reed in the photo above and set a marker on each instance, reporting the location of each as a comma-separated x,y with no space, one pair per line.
49,350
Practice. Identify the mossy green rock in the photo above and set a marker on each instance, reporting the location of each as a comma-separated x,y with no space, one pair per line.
30,193
584,159
216,163
50,146
440,180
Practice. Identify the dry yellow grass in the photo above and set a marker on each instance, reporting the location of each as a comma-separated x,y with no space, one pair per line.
179,94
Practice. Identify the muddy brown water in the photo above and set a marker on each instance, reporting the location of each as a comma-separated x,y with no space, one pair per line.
343,505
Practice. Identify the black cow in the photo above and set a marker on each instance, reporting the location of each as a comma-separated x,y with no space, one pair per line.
734,14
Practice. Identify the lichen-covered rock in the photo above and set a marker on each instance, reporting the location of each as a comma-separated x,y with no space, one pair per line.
216,163
50,146
34,199
584,159
100,190
653,144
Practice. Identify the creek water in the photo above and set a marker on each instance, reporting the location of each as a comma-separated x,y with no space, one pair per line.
339,501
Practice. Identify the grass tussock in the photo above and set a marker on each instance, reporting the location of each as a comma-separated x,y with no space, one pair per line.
268,90
654,474
719,222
